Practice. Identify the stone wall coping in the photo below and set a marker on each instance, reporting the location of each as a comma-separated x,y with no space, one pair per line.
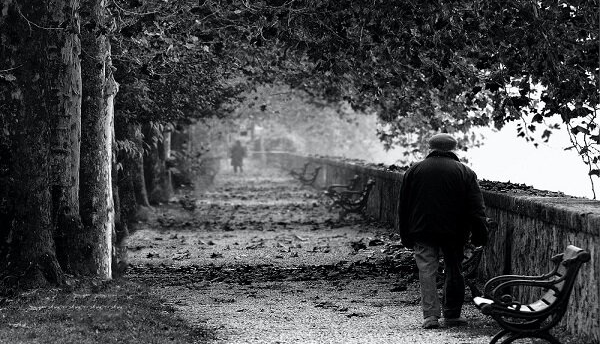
393,175
574,214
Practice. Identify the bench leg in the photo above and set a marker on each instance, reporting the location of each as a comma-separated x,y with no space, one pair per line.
514,336
497,336
548,337
333,203
511,338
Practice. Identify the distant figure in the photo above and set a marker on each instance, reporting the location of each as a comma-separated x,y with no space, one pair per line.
237,154
440,206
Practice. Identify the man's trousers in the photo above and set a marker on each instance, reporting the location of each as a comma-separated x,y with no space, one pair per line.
428,257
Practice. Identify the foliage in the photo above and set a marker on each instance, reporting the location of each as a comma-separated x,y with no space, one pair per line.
166,73
446,65
428,67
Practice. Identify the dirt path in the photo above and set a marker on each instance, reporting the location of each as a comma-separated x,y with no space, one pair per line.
261,260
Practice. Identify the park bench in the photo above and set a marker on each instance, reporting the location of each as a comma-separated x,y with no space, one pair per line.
305,176
334,190
537,318
354,201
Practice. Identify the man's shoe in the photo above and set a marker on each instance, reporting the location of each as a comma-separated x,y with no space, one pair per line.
452,322
431,322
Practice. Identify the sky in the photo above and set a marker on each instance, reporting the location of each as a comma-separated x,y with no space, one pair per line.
505,157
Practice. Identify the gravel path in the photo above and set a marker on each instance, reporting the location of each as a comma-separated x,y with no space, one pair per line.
261,260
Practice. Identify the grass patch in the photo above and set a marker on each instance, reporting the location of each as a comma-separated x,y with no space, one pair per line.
118,311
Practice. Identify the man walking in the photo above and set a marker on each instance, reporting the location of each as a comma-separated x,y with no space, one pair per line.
440,205
237,154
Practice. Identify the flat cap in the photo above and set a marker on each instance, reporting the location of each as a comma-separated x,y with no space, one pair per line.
442,142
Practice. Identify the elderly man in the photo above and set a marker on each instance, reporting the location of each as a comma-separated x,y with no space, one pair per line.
440,205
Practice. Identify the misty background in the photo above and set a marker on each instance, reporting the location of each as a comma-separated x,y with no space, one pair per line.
283,120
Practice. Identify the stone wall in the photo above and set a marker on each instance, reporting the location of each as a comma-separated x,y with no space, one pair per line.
531,229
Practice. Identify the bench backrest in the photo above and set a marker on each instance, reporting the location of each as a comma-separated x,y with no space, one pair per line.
305,168
354,182
367,190
316,171
556,298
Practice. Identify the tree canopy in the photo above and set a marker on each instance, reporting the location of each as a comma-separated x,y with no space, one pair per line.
422,67
437,65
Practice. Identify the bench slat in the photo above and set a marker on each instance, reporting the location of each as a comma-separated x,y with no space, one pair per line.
537,306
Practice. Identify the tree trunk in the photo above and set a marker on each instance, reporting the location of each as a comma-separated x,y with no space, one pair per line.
133,198
119,254
165,178
93,253
181,143
151,173
33,251
35,40
137,166
150,157
65,143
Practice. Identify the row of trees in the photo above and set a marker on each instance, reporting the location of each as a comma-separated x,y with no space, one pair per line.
90,88
81,151
45,51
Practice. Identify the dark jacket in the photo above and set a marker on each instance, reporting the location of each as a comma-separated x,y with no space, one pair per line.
440,202
238,152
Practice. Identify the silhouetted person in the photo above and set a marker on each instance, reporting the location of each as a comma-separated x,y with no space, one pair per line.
237,154
440,205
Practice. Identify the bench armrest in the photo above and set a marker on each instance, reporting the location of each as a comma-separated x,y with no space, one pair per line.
332,187
301,170
495,281
347,193
580,257
499,296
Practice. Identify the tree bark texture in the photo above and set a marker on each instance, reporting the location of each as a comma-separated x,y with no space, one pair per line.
66,137
35,40
93,253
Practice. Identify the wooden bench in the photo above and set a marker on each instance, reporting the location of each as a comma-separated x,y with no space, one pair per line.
354,201
534,319
304,176
333,191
